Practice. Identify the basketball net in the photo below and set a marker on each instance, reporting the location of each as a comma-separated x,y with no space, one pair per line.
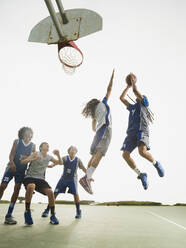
70,56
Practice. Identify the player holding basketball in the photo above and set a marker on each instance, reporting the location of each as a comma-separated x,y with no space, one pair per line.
138,130
21,147
69,179
99,111
35,181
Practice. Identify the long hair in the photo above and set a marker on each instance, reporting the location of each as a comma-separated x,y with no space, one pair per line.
89,109
22,131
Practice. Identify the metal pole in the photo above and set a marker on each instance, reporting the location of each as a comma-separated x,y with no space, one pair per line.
54,18
62,11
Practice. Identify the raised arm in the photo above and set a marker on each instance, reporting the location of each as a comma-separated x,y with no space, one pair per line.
55,161
123,95
11,156
134,87
109,88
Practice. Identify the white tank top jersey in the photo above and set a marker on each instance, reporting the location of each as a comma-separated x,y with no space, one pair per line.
103,115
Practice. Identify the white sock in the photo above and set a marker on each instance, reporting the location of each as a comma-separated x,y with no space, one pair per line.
137,171
90,171
154,162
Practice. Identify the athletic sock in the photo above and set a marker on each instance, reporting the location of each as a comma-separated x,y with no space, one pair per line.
27,206
154,162
77,207
90,171
11,208
52,209
137,171
48,207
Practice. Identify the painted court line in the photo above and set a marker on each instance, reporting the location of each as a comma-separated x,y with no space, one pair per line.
170,221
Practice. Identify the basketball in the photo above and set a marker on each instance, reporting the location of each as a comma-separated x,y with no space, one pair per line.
130,77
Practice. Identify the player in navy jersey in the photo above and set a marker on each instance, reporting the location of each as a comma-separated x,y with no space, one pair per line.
99,111
69,179
21,148
138,130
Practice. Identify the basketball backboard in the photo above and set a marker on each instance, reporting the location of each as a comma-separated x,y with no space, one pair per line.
81,22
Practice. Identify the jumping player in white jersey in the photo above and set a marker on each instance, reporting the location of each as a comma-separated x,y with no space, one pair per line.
69,179
21,148
138,130
35,181
99,111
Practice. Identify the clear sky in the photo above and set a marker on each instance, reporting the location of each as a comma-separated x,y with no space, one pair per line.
147,38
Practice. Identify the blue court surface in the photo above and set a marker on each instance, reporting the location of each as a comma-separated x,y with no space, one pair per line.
100,226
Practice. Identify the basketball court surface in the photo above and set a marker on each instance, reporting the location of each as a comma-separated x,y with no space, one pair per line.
100,226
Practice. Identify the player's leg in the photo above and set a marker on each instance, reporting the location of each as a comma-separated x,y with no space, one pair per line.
99,148
77,203
130,143
142,149
9,219
30,187
51,203
3,186
7,177
86,180
93,163
46,211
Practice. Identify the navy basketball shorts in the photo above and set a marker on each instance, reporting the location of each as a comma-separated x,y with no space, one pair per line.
133,140
63,184
9,175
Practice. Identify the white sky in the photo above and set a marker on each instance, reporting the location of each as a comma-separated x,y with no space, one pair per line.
145,37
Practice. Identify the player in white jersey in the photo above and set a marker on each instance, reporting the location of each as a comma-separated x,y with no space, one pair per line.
35,181
99,112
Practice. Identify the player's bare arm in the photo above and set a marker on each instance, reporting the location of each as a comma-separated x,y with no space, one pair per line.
94,125
109,89
33,157
123,96
11,156
134,87
55,161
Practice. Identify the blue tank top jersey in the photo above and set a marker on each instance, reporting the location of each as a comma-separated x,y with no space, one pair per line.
70,169
21,151
108,110
138,117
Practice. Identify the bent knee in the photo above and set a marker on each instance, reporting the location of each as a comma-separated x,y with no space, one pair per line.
49,192
30,187
142,152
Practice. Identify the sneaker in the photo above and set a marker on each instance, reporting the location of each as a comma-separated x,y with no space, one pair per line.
28,218
159,169
9,220
86,184
45,213
54,220
78,215
143,178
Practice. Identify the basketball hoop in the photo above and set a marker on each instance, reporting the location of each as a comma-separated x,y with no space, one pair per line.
70,56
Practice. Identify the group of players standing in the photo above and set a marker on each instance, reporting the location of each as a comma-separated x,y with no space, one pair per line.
28,166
